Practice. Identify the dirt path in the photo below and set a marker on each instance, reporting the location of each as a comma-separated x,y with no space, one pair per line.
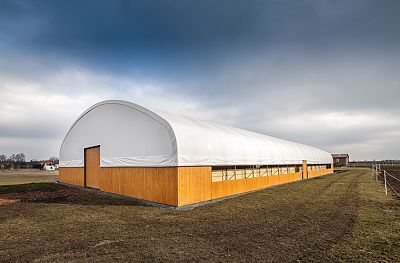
342,216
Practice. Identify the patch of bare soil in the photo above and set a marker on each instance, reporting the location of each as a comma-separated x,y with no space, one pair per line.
36,196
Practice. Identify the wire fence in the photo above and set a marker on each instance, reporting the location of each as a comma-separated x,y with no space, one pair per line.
373,163
388,179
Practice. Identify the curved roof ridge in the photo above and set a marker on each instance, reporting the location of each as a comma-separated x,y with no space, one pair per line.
176,120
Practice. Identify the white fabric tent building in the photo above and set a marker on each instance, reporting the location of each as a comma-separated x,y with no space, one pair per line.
123,135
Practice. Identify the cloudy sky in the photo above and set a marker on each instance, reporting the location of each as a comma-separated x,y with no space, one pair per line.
324,73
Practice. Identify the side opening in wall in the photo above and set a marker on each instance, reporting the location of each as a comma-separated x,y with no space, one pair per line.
227,173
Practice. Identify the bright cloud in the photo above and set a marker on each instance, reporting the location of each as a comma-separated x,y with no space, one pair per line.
318,72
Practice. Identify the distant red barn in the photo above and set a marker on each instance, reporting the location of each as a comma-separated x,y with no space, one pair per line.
340,159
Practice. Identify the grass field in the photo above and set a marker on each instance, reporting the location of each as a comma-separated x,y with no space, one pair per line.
8,177
340,217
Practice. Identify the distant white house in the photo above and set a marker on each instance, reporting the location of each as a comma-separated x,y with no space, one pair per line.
49,167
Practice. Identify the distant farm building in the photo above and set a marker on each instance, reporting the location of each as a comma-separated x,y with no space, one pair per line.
123,148
49,166
340,159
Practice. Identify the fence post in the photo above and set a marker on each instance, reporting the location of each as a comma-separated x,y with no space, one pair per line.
384,175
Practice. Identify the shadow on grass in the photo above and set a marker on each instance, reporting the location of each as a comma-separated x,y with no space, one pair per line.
62,194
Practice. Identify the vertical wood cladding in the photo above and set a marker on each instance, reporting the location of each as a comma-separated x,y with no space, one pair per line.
158,185
73,175
194,184
232,187
176,186
316,173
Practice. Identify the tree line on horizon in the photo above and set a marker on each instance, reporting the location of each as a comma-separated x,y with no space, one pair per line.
18,160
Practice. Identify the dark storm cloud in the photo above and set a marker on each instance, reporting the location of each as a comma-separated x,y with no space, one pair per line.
147,33
321,72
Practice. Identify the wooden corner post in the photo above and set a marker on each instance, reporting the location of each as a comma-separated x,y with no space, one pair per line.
305,171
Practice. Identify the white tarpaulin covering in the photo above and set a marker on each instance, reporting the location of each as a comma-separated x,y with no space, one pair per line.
130,135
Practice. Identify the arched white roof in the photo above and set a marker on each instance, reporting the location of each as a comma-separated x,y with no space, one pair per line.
131,135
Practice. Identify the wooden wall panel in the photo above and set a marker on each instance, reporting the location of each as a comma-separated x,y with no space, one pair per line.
176,186
73,175
232,187
158,185
316,173
194,185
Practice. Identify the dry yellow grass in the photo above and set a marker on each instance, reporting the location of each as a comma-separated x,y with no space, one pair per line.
23,176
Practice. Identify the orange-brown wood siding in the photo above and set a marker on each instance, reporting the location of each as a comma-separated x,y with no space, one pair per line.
92,167
73,175
194,184
158,185
316,173
305,170
176,186
232,187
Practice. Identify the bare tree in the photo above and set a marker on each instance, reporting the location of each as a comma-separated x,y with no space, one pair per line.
20,157
54,160
3,161
16,160
12,158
